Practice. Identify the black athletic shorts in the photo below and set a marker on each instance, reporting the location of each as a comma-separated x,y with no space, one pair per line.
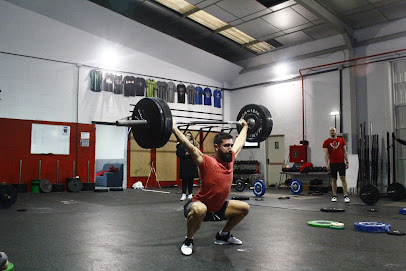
337,167
210,216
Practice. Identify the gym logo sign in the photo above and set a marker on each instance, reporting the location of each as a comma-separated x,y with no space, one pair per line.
335,145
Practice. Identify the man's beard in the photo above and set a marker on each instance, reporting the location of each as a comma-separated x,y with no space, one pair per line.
226,157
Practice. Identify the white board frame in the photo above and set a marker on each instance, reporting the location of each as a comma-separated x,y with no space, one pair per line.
50,139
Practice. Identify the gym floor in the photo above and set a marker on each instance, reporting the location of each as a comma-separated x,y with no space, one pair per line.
139,230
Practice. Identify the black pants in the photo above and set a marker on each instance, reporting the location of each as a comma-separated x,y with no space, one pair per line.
187,183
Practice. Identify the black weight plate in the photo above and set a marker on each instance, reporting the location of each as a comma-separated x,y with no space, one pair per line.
240,198
369,194
58,188
74,185
20,187
167,128
8,195
263,122
395,232
332,210
116,189
45,186
88,186
239,185
158,129
101,190
396,191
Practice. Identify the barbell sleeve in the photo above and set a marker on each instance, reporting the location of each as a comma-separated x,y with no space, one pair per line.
130,122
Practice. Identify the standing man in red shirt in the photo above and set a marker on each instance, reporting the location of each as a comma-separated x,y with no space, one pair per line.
216,174
335,153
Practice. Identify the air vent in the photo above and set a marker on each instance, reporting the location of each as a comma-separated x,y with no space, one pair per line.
270,3
274,43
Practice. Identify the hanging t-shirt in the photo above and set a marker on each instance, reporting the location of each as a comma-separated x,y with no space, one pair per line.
207,96
162,90
199,95
139,86
171,92
181,93
118,84
96,78
217,98
129,86
108,82
151,88
191,94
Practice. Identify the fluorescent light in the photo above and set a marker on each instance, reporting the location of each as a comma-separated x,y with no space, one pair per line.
180,6
237,35
213,23
261,47
334,113
208,20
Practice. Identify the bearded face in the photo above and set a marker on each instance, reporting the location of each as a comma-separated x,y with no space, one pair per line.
225,150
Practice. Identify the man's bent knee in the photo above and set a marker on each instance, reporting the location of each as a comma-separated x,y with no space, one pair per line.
198,209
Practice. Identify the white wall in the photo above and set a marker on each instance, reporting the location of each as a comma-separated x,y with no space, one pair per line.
54,84
284,101
98,21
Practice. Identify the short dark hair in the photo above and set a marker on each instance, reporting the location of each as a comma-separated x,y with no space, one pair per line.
218,139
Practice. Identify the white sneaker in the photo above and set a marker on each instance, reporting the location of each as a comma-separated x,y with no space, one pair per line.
228,239
183,197
333,198
190,196
346,199
187,247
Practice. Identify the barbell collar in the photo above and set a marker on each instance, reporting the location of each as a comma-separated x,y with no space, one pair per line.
131,122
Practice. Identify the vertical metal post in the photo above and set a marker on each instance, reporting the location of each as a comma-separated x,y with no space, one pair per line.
39,170
57,171
19,174
88,170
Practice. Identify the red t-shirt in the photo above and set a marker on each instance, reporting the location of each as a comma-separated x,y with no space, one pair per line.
216,178
335,149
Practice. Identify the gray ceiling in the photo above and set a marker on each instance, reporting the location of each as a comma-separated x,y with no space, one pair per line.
284,25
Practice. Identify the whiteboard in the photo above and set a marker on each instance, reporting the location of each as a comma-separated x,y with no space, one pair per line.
50,139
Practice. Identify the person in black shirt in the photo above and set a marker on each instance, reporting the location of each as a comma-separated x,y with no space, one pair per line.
187,168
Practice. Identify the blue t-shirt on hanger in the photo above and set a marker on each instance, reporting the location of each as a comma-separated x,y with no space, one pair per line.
207,96
199,95
217,98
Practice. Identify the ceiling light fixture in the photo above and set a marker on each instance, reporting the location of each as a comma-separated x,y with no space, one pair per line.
213,23
206,19
180,6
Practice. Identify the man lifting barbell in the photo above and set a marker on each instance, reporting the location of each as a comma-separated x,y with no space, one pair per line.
210,202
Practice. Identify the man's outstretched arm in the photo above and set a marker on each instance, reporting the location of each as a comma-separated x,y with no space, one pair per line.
195,153
242,137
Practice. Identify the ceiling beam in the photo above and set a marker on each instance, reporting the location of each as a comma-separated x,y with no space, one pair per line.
317,9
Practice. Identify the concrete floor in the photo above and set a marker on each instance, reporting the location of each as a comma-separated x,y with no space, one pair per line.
138,230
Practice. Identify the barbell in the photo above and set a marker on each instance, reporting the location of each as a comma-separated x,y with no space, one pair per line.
151,122
370,194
